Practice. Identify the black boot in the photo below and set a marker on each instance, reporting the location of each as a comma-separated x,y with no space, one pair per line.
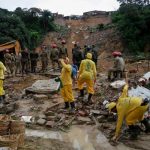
72,104
146,123
81,93
66,105
89,98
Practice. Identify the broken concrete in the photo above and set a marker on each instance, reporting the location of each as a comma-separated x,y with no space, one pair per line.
41,122
43,87
40,97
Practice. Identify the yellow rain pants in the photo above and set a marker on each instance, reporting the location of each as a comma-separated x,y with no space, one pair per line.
66,93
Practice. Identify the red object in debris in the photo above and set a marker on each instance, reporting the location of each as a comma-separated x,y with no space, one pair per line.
133,71
53,45
82,113
116,53
63,42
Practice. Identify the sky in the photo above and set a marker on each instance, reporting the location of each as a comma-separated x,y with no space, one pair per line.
66,7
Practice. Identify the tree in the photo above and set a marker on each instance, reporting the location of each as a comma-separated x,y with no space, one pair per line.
46,20
133,21
12,28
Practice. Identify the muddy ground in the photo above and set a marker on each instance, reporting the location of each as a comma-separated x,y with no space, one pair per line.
77,135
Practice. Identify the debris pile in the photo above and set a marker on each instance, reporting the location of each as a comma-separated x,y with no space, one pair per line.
12,132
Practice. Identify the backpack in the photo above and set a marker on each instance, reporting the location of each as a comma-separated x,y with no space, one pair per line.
74,71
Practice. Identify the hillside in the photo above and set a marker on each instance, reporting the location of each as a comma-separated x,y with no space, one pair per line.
84,32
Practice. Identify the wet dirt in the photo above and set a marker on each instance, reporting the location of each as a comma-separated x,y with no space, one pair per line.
78,138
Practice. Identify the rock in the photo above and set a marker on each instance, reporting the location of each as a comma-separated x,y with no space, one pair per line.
49,113
50,118
82,113
42,116
43,87
50,124
102,119
40,97
10,108
96,112
54,101
84,119
41,122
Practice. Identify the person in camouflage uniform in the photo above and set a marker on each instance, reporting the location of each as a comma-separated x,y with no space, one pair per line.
9,62
63,50
44,60
25,61
18,63
33,58
54,56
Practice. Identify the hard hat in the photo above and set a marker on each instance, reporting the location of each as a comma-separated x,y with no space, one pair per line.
89,55
110,106
53,45
63,42
116,53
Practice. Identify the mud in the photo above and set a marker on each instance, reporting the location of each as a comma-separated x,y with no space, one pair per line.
78,138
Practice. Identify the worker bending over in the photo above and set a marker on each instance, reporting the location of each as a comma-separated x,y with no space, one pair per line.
130,109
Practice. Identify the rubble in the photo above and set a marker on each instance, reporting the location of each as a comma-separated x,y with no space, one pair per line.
43,87
84,120
41,121
40,97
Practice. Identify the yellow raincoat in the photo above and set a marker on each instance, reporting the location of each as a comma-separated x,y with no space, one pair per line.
87,74
2,71
130,109
124,92
66,90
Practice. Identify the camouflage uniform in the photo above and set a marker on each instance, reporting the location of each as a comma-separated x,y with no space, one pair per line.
10,63
63,52
44,60
18,63
25,61
54,56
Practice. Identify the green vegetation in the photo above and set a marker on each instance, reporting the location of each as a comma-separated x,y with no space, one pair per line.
26,25
133,21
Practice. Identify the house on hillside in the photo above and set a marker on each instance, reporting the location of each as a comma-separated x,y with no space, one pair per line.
95,13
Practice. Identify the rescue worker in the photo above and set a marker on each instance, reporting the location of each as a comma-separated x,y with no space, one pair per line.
44,60
25,61
54,56
87,74
130,109
8,59
63,53
66,80
119,65
33,58
2,92
77,56
18,63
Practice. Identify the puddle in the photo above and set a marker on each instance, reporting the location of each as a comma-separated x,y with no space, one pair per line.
44,134
80,137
